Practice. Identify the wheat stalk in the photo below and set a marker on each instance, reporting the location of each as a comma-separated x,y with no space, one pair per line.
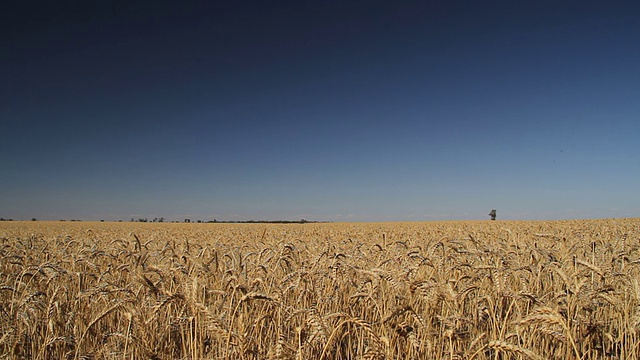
502,346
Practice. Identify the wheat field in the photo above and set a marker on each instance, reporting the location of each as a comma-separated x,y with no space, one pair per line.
437,290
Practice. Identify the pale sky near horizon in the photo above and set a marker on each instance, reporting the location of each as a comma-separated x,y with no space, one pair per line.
330,111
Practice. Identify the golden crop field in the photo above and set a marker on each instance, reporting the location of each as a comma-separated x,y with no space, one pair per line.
438,290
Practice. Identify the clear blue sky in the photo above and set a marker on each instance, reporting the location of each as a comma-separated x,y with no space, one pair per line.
323,110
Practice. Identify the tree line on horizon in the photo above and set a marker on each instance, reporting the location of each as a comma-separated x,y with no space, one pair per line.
188,221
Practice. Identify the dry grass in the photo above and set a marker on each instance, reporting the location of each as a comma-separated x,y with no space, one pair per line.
447,290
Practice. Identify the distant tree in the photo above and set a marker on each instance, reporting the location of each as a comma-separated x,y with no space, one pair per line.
187,220
161,219
34,219
493,214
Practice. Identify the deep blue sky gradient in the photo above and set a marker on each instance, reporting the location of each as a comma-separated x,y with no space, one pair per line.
324,110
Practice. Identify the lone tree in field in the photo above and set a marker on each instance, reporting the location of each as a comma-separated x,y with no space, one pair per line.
493,214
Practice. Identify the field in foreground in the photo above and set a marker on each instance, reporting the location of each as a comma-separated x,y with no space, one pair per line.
442,290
